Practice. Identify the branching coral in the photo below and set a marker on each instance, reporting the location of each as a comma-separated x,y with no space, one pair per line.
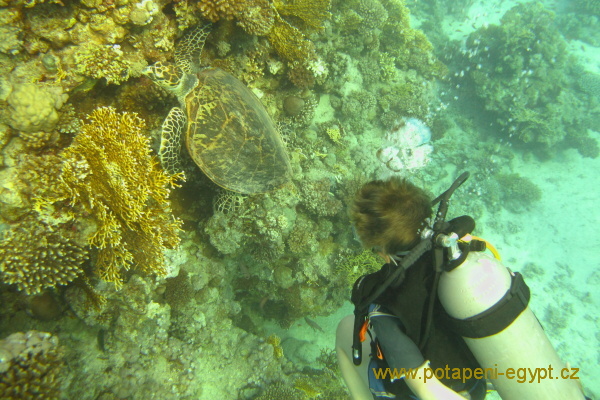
373,14
257,18
109,174
35,257
30,366
109,169
318,198
356,266
100,61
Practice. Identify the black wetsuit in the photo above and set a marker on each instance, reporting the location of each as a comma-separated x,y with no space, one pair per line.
409,302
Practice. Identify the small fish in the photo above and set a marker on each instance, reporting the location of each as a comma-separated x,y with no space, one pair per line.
313,324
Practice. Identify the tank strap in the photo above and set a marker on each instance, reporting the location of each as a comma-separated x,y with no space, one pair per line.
497,317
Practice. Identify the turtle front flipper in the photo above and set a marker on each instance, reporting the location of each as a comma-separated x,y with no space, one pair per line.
188,50
170,141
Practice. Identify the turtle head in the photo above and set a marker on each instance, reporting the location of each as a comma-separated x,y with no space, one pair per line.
167,75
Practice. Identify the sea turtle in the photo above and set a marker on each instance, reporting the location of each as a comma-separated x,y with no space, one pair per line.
226,129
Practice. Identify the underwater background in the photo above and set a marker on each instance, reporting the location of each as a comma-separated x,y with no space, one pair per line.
119,280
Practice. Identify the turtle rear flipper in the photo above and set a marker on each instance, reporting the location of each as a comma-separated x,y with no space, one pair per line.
188,50
170,141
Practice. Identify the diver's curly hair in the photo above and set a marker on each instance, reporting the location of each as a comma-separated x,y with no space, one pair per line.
388,214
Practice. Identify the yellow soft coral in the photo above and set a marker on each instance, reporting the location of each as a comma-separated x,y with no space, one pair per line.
290,43
275,341
109,170
312,12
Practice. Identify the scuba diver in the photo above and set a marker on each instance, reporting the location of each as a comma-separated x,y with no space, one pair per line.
439,309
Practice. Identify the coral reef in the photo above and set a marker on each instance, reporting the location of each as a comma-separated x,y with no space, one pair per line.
396,62
263,18
93,187
522,74
166,346
30,366
518,194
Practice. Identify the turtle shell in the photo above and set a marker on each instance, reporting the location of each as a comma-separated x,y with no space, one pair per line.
231,137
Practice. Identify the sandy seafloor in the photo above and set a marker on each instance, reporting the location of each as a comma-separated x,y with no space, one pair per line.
559,235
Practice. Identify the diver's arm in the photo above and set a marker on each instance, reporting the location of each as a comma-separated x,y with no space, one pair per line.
356,377
353,376
401,353
426,388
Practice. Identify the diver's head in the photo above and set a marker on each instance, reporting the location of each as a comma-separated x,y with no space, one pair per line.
389,214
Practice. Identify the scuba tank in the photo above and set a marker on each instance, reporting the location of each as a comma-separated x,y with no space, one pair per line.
487,305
